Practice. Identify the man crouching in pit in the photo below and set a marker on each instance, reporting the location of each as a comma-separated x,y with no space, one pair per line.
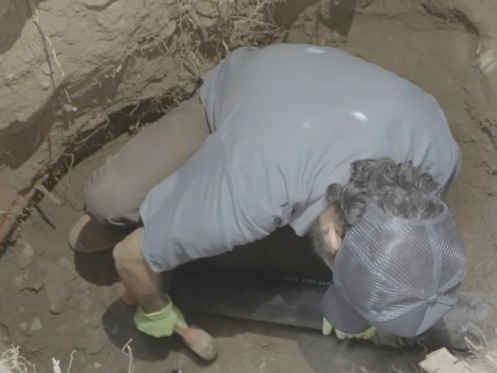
289,134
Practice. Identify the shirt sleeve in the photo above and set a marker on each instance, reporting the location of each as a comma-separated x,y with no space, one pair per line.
195,212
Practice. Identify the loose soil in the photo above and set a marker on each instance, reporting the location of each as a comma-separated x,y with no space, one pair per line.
55,303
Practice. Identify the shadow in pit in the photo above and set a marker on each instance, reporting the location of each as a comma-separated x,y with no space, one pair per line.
97,268
281,254
120,328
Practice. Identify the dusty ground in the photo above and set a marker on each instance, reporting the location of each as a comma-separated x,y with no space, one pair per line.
54,308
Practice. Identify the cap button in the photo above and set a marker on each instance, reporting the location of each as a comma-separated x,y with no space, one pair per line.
433,299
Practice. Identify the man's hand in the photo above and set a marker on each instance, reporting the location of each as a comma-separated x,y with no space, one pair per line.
170,320
162,323
327,330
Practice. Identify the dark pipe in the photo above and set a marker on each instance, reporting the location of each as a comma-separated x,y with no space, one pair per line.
296,302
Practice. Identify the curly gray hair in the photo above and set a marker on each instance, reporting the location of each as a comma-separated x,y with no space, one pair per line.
399,189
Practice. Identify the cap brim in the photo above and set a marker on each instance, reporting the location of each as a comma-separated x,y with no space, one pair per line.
346,319
337,311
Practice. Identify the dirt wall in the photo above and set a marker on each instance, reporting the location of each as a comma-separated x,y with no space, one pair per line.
65,66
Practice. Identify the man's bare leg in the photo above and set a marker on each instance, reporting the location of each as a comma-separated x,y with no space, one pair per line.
141,283
113,196
115,191
144,287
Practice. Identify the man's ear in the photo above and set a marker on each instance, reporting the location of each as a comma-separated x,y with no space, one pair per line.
332,237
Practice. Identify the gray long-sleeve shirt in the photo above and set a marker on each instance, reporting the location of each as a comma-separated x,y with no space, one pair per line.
287,121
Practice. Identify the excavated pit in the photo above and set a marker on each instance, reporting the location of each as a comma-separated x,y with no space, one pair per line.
54,303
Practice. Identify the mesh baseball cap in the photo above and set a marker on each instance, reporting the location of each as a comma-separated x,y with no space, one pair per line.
398,275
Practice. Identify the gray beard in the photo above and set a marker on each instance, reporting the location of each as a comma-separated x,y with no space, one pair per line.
319,245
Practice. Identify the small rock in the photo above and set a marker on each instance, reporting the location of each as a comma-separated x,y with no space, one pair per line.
26,256
169,30
18,282
106,295
207,13
55,288
96,3
44,84
74,303
35,347
61,329
45,67
96,342
206,9
79,344
365,3
23,326
68,270
69,108
205,22
33,279
35,325
97,365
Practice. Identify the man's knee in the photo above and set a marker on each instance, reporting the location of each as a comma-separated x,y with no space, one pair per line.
121,256
127,253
